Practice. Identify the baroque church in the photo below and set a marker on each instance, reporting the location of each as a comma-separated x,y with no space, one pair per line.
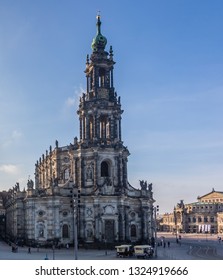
84,186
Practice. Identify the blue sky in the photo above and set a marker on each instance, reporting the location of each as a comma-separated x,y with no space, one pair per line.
168,72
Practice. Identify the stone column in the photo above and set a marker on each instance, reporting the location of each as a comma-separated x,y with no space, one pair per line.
111,77
95,127
121,226
81,220
87,129
124,166
97,228
84,127
145,220
120,172
95,170
81,128
127,231
120,134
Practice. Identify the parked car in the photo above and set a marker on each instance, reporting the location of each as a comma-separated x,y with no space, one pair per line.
124,251
143,251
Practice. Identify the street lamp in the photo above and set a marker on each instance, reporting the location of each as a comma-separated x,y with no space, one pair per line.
156,209
74,203
75,226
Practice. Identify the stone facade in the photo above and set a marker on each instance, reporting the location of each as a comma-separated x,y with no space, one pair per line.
2,217
203,216
86,182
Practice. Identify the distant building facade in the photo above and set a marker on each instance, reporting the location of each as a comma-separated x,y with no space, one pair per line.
85,182
2,217
203,216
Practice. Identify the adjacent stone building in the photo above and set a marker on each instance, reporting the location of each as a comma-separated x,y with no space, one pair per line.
2,217
203,216
86,182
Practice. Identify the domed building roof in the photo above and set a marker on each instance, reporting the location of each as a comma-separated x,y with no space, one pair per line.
100,41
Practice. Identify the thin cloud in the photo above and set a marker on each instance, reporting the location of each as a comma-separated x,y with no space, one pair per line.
16,135
13,138
9,169
72,102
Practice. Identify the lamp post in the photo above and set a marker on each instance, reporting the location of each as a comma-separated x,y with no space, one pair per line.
156,209
75,227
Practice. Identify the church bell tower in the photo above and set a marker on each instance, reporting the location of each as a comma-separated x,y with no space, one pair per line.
100,109
100,122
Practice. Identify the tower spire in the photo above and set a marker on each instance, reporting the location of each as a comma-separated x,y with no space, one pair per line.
98,17
100,109
100,41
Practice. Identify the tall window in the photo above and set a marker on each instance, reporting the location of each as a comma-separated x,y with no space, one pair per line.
133,231
103,123
107,130
101,77
65,231
91,127
40,230
66,174
104,169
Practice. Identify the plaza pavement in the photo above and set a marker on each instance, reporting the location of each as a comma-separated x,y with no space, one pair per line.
173,252
180,251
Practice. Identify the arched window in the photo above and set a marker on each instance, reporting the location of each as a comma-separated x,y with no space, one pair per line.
101,81
65,231
91,127
107,129
66,174
103,126
40,230
104,169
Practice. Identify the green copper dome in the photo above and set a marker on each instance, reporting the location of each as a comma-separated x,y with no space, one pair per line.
100,41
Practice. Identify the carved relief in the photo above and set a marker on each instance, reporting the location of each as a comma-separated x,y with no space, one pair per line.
109,209
108,187
89,233
89,172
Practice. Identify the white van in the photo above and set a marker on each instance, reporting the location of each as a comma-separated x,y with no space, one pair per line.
143,251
